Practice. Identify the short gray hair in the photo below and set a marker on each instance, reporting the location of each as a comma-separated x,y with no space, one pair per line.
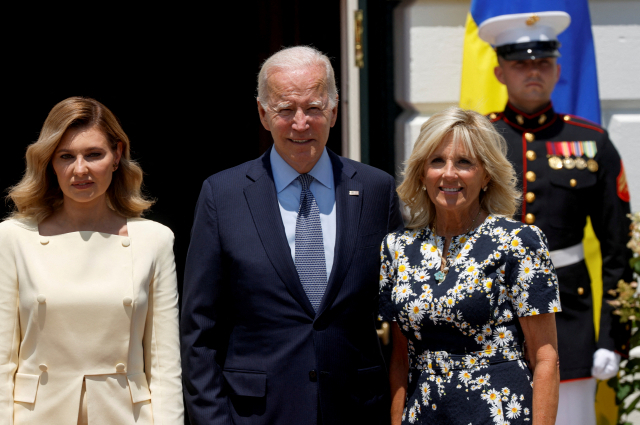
293,58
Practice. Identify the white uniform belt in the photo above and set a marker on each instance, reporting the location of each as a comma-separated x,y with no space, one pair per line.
567,256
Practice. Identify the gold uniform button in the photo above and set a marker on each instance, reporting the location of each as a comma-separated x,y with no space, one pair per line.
580,290
573,182
530,176
492,116
624,347
529,137
567,118
531,155
530,218
519,119
530,197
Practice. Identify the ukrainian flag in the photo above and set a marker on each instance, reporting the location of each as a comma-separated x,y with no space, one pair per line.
576,93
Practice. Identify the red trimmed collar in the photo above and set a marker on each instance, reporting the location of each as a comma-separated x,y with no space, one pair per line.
532,122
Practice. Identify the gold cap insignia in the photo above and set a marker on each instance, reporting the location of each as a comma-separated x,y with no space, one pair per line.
531,20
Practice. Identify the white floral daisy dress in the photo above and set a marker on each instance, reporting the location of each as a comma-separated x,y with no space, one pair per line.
466,361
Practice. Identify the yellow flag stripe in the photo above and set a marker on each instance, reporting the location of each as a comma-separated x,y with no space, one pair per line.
480,90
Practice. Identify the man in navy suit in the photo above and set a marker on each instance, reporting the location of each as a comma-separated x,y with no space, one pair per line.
281,283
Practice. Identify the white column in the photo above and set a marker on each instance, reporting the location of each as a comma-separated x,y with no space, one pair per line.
429,38
350,84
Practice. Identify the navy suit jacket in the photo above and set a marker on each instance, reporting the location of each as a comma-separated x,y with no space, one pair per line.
253,349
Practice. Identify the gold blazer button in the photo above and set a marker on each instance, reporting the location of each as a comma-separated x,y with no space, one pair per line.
580,290
529,218
530,176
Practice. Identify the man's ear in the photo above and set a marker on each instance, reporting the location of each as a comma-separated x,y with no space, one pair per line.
263,116
334,113
497,71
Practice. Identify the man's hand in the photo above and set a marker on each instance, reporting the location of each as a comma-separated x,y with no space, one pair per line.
605,364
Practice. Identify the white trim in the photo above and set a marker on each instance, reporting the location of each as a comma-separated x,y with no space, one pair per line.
567,256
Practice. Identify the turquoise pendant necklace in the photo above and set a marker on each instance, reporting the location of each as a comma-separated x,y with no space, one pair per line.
441,274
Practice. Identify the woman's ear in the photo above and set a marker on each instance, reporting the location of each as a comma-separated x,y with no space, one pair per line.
118,153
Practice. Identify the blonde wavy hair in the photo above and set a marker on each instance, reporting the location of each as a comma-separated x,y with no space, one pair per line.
38,194
475,134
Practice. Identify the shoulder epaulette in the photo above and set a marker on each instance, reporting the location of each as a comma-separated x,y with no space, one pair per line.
581,122
495,116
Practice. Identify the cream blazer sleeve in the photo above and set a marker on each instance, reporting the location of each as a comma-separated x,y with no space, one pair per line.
9,325
161,339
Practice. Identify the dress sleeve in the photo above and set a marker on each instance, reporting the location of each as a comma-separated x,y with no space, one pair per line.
9,323
161,340
388,262
529,274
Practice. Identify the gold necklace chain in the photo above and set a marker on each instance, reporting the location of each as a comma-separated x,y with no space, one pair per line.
441,274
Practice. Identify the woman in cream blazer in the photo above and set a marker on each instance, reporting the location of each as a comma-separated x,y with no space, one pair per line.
88,294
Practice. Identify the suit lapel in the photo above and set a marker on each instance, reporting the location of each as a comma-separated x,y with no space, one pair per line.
347,222
263,203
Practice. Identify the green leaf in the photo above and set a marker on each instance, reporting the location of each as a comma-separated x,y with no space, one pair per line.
624,389
634,261
613,382
631,407
632,364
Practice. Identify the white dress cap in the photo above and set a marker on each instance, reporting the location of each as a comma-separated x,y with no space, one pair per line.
523,27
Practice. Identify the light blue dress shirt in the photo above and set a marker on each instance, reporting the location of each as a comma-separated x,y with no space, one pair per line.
323,189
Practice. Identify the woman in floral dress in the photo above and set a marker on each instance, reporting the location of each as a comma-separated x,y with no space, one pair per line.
465,286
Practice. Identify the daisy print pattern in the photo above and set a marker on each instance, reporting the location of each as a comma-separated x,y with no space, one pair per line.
466,360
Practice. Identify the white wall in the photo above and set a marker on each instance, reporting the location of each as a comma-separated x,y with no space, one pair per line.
428,44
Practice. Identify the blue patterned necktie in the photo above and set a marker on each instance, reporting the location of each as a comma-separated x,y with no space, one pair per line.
310,262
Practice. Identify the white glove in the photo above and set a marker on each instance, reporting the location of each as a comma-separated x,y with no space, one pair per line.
605,364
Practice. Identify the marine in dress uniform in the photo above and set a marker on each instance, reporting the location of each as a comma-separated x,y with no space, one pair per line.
568,170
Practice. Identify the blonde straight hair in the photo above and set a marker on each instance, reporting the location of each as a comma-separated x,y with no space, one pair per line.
38,194
475,134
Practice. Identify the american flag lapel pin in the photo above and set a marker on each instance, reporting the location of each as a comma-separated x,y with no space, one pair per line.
354,193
